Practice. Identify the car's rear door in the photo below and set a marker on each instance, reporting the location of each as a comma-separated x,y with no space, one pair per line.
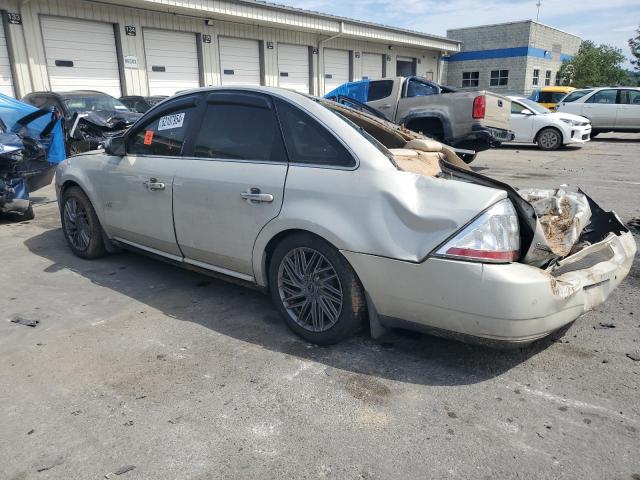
628,109
230,182
136,189
383,96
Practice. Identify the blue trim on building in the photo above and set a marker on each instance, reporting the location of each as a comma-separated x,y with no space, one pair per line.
504,53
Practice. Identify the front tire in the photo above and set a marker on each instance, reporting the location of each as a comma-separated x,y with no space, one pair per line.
315,289
80,225
549,139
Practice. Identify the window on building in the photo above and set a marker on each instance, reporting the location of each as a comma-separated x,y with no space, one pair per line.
558,79
470,79
536,77
547,78
499,78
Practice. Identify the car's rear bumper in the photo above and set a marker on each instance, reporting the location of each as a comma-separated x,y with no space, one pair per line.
483,137
508,303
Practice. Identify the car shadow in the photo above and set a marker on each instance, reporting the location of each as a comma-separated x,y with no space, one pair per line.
248,315
601,139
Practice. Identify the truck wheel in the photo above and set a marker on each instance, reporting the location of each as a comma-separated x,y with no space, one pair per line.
430,127
549,139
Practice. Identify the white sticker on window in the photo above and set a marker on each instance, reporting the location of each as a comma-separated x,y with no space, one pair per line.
171,121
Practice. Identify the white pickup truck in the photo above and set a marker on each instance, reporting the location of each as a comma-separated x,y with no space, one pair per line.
468,120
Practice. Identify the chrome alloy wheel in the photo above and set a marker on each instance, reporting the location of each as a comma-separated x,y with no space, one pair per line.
76,224
548,139
310,289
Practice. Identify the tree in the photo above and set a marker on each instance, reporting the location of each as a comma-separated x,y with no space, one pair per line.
594,66
634,45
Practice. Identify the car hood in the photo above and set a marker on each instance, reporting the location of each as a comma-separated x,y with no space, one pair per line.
110,119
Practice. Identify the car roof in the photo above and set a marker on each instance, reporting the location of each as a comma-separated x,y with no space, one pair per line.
558,88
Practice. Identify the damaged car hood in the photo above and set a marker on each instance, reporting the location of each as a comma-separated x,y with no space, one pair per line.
110,119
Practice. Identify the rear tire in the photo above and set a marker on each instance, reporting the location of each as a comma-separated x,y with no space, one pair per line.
80,225
315,289
549,139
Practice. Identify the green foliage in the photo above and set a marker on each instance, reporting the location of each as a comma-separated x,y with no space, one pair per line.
634,45
594,66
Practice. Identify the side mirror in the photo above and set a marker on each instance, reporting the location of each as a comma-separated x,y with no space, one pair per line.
526,111
115,146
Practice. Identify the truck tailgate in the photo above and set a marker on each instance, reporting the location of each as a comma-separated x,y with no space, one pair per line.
498,111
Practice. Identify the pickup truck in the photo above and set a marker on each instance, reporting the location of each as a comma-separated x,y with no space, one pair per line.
467,120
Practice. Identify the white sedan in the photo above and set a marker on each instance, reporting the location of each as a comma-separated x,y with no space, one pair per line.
533,123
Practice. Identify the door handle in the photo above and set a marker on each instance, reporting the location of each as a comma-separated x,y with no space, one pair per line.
255,196
385,106
153,185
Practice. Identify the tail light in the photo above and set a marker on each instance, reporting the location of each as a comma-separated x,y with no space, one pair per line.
494,237
479,106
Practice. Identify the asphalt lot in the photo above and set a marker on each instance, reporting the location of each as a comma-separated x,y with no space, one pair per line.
136,362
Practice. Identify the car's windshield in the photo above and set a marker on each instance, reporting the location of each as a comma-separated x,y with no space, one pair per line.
533,106
575,95
550,97
83,103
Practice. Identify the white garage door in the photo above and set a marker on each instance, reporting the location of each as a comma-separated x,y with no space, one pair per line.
239,61
81,55
336,68
172,61
6,85
371,66
293,67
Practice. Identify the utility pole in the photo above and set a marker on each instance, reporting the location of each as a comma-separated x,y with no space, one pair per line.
539,4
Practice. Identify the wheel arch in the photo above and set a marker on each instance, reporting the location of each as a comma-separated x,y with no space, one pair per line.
552,127
439,117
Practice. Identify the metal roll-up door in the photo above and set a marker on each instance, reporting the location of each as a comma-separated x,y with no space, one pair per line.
172,61
293,67
336,68
239,61
372,65
81,55
6,83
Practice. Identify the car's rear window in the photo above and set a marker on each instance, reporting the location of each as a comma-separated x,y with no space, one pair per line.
575,95
550,97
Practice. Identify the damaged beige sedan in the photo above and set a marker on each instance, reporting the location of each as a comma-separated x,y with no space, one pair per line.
343,218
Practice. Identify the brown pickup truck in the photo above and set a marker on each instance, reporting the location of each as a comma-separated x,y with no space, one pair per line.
469,120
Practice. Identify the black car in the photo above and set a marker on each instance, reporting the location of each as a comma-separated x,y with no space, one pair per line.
89,117
140,104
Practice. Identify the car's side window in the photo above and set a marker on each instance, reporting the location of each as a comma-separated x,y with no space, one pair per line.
240,132
517,108
164,135
630,97
308,142
417,88
607,97
379,89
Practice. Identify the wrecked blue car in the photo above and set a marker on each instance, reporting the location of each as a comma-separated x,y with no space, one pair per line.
31,145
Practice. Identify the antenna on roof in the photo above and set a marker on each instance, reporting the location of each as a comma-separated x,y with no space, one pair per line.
539,4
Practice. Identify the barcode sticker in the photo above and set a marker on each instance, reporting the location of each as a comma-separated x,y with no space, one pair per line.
171,121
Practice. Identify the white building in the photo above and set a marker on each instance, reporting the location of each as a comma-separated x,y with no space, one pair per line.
158,47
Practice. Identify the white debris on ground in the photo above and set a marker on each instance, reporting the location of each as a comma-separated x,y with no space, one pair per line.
562,215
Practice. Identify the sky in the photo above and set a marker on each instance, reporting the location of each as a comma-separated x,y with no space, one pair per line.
612,21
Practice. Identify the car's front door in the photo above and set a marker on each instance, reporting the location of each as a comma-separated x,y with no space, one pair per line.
137,188
230,182
601,108
522,120
628,109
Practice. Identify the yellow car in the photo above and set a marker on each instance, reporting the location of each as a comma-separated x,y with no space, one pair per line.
550,96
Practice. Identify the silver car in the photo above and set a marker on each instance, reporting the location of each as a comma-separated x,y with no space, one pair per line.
343,217
609,109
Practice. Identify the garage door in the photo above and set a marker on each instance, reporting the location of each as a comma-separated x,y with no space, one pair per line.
172,61
336,68
80,55
293,67
6,86
371,66
239,61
